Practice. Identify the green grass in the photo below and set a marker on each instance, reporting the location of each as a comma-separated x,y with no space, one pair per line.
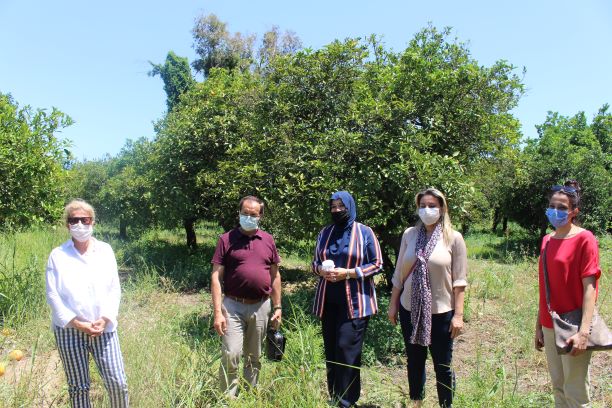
172,353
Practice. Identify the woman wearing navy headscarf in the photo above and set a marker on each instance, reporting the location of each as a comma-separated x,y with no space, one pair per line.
345,297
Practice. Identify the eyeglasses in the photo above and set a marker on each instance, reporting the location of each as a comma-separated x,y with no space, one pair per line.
82,220
564,189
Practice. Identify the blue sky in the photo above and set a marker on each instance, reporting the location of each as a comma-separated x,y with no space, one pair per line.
90,59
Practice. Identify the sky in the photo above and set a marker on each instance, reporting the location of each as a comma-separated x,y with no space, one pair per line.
90,60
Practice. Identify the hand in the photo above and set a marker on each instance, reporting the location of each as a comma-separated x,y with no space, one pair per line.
86,327
456,326
392,313
578,342
100,325
343,273
539,339
336,274
220,323
276,318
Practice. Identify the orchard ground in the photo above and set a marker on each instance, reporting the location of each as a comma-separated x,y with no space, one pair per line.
172,353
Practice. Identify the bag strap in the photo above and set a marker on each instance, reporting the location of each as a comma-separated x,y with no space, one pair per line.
547,288
405,279
409,272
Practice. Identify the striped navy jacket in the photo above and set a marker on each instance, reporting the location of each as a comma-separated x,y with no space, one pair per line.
365,256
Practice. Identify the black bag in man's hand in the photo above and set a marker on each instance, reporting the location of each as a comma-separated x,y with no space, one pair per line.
275,345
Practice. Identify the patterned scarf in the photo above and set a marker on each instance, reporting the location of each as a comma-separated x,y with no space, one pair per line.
420,302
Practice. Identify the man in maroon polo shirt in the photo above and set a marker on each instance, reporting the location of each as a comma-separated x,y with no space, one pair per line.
245,271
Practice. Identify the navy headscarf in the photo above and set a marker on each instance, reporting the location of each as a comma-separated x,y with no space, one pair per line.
341,234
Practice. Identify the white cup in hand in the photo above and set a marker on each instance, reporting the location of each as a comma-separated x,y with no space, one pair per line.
327,265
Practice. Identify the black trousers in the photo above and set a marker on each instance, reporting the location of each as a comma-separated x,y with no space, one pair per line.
441,349
343,341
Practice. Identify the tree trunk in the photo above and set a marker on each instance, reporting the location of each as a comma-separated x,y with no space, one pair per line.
189,224
388,268
465,228
505,225
387,248
496,217
389,243
122,228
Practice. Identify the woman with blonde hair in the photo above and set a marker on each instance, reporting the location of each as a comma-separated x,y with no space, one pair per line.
83,293
428,290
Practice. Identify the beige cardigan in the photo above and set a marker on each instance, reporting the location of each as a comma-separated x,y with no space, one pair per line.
447,269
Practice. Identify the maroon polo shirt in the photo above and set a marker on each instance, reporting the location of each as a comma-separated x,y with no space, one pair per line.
247,261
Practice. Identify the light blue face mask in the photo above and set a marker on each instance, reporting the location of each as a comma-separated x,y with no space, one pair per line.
249,223
557,218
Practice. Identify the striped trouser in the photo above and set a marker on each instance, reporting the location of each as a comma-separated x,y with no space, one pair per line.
74,347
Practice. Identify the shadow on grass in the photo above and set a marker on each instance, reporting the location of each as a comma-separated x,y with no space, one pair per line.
295,275
197,329
503,248
187,269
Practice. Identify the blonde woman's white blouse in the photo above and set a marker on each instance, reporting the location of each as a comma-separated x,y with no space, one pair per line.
83,285
447,270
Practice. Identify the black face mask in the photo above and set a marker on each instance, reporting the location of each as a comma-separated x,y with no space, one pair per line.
340,217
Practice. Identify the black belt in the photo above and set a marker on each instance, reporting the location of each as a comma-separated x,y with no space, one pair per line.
248,301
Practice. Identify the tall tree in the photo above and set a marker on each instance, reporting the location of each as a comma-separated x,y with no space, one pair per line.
218,48
274,43
211,118
176,74
336,118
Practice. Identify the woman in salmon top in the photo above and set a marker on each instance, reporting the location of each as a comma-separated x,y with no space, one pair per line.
572,262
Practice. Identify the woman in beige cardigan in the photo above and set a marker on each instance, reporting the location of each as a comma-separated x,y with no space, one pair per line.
428,291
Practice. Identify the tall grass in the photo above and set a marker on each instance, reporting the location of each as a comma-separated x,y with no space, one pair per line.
22,258
172,353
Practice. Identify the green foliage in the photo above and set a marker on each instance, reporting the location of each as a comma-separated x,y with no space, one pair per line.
349,116
86,179
32,161
567,148
217,48
23,257
383,343
129,193
176,74
120,188
211,119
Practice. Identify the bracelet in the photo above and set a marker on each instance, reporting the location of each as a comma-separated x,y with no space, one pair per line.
347,274
277,308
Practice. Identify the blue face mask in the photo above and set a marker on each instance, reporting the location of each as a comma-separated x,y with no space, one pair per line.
557,218
249,223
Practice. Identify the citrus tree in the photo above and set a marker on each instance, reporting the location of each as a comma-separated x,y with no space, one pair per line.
32,163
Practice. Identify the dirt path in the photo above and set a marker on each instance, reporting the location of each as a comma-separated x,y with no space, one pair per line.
44,370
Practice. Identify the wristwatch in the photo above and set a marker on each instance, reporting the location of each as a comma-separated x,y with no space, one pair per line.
347,274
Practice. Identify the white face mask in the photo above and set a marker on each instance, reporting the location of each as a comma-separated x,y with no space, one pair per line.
81,232
428,215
